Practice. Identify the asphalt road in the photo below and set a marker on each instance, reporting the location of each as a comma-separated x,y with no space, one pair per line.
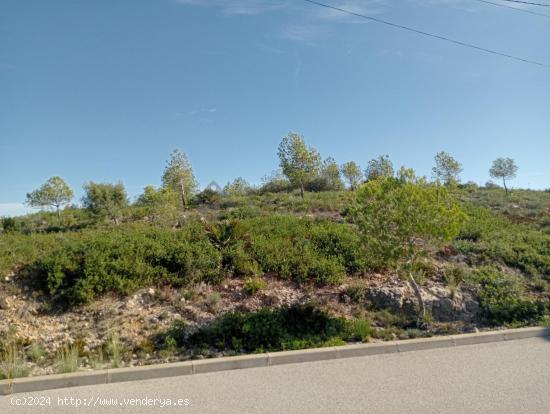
503,377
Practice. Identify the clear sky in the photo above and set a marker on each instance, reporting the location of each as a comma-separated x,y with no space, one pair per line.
103,90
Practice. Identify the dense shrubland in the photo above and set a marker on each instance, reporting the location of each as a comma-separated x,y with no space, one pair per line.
302,227
79,258
77,267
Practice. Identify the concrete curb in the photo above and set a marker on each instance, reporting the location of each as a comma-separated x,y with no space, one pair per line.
108,376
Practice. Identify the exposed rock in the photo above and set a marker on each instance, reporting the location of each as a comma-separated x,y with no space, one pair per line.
391,297
437,298
4,302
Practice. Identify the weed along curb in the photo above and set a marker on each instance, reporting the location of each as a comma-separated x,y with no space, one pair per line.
107,376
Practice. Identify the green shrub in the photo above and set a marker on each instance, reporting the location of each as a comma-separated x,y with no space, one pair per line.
488,238
35,352
269,330
304,250
502,300
253,285
95,262
359,329
393,214
212,301
358,291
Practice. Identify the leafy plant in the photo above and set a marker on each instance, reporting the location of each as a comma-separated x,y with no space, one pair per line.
502,299
253,285
269,330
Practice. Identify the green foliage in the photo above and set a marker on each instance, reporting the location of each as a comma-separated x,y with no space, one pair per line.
352,173
238,187
10,225
505,169
115,350
446,168
54,193
275,183
35,352
244,212
18,250
67,359
397,217
12,358
487,238
253,285
105,200
157,203
520,207
212,301
178,176
208,196
269,330
330,176
358,291
380,167
305,250
359,329
502,299
99,261
299,163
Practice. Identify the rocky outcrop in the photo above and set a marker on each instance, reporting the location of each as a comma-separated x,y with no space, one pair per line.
438,300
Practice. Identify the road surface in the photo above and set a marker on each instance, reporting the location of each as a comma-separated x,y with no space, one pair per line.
503,377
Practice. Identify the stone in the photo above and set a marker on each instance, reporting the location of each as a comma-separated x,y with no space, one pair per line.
4,303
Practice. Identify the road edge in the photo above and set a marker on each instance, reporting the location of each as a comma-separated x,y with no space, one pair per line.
108,376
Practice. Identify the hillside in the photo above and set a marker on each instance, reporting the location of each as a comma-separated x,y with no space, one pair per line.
267,271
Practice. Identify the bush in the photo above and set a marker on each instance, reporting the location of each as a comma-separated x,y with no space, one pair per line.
208,196
304,250
294,327
502,300
487,239
100,261
253,285
394,214
358,292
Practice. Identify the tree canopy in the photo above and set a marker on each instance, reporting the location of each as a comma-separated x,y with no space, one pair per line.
505,169
398,217
352,173
54,193
178,176
446,168
379,167
330,173
299,162
105,200
238,187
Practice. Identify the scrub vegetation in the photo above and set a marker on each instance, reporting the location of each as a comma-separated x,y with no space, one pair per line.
312,224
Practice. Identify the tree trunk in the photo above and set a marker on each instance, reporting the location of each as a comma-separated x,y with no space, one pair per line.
504,182
418,294
183,198
302,190
58,214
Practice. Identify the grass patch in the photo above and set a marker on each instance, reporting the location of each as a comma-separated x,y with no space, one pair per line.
67,359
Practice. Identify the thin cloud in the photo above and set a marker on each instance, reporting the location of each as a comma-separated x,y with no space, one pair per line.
195,112
372,7
237,7
302,33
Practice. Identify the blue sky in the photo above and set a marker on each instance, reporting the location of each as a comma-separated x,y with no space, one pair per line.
104,90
